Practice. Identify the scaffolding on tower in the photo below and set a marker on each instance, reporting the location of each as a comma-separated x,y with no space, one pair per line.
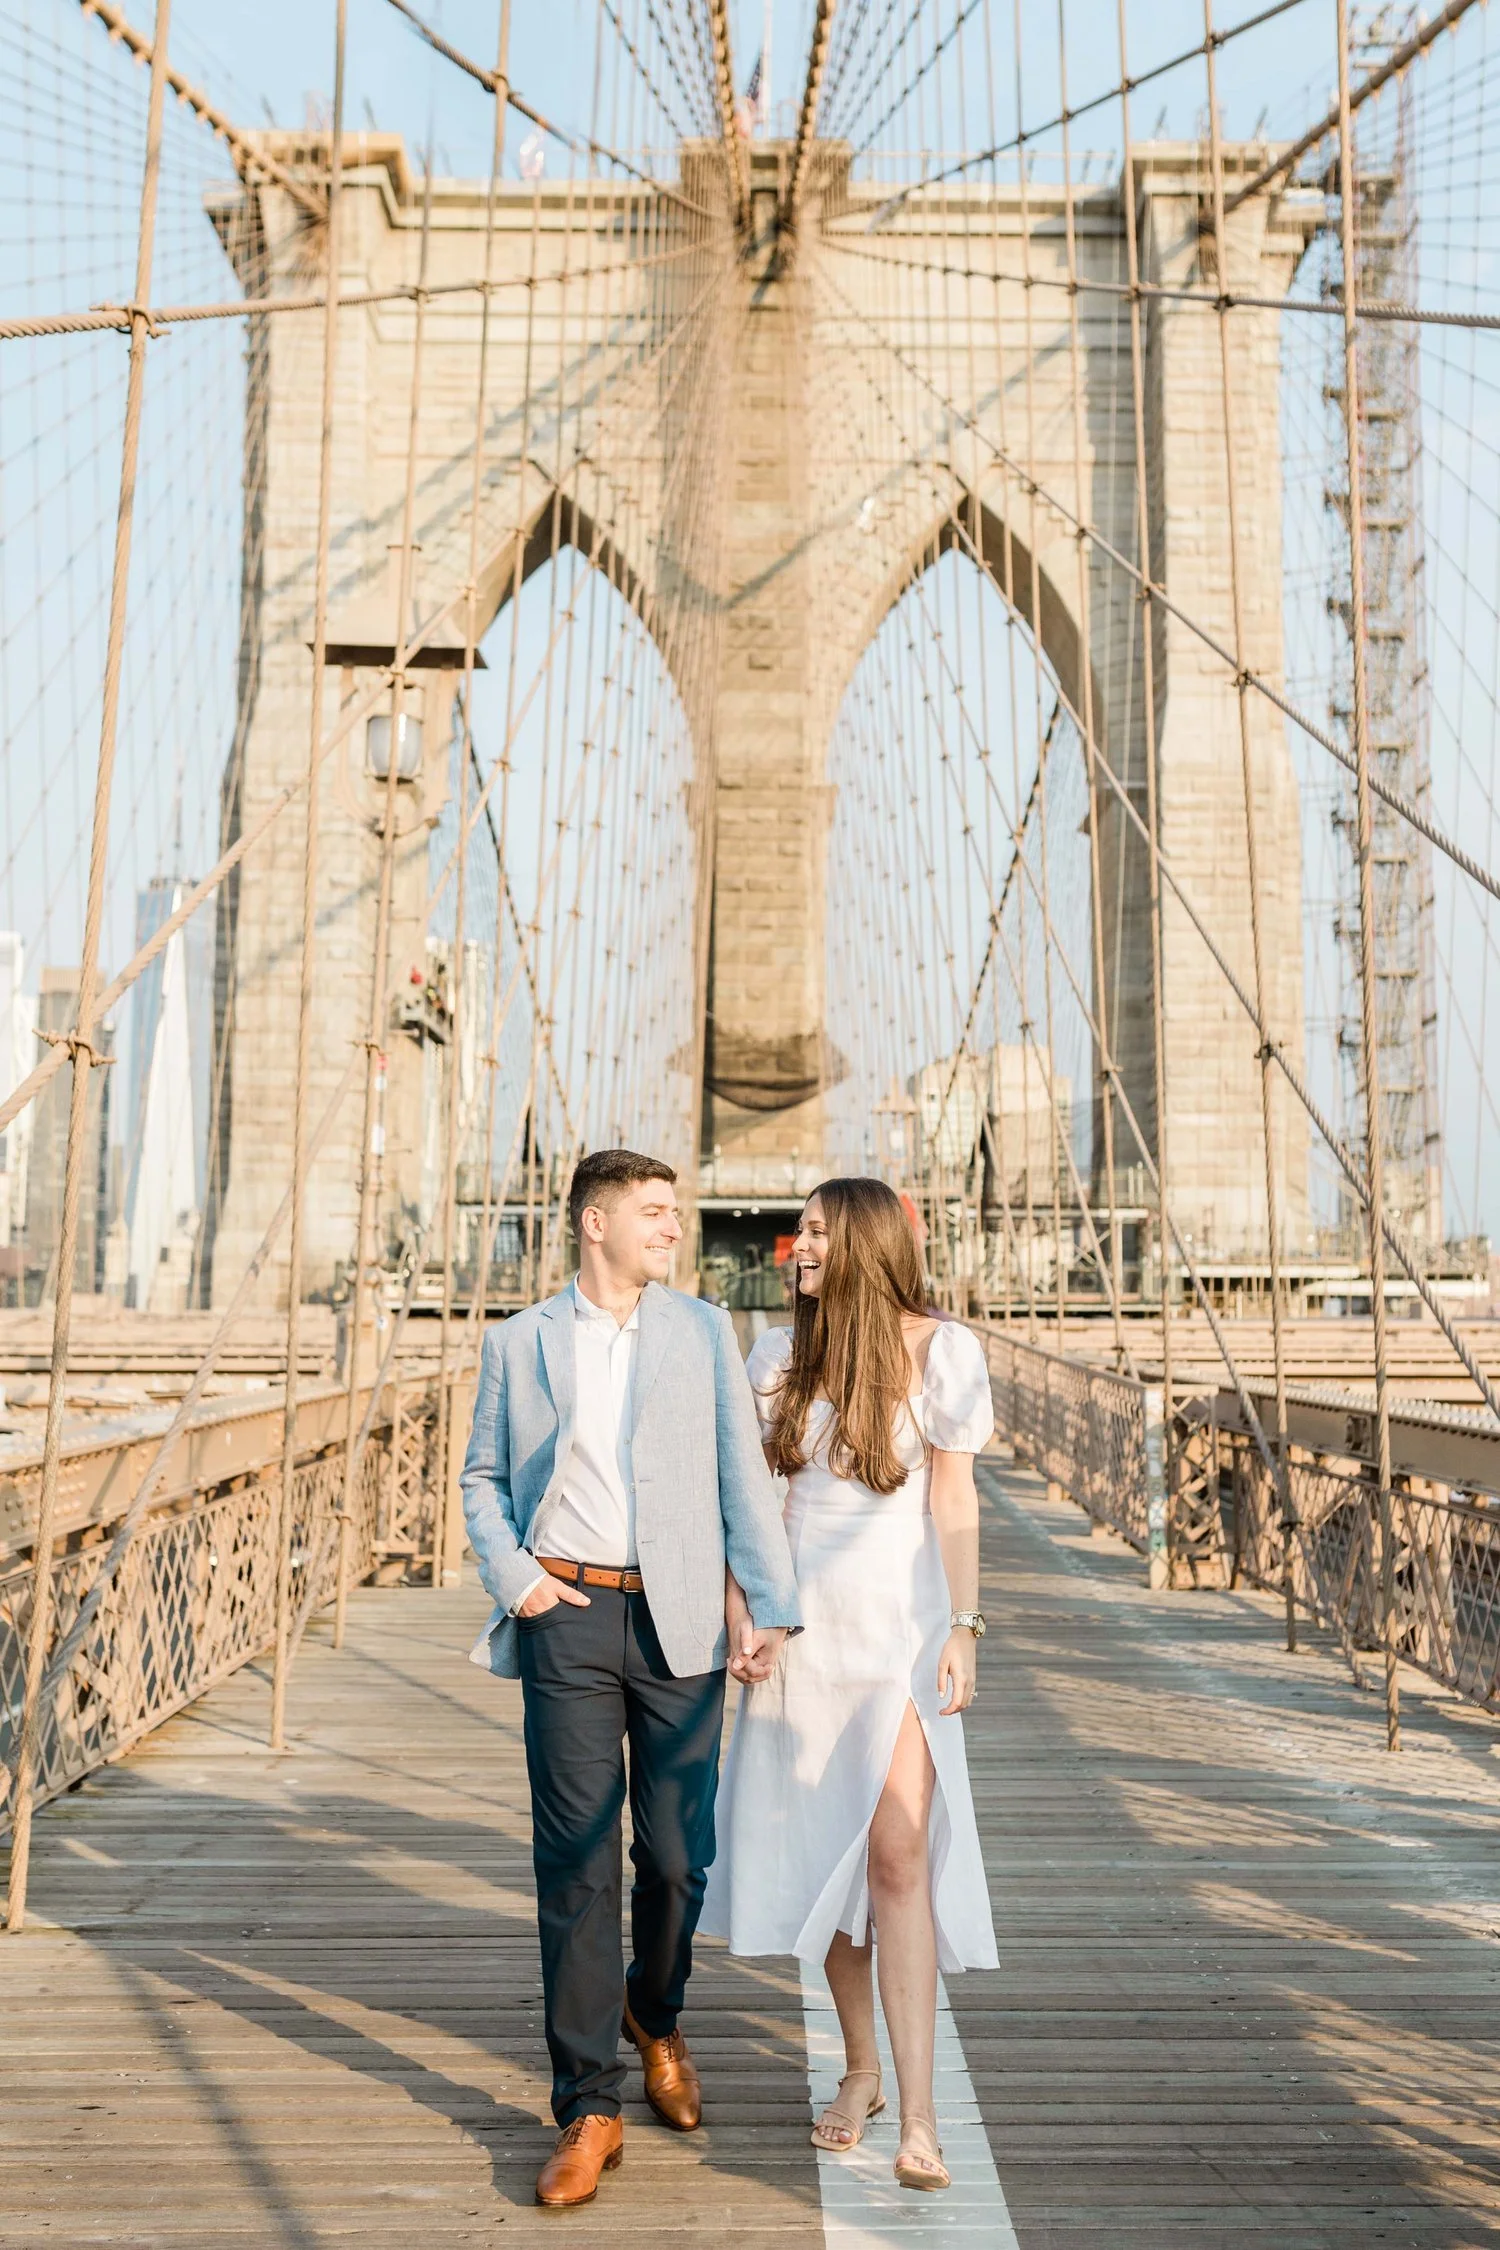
1386,253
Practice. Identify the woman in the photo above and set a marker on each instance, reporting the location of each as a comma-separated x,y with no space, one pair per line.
844,1811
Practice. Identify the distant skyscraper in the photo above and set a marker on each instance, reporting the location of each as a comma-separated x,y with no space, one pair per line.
18,1052
57,1010
166,1127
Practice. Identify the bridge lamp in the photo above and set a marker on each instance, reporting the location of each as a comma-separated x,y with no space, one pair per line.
364,638
409,744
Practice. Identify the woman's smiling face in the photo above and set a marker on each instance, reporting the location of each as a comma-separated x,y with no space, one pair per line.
810,1247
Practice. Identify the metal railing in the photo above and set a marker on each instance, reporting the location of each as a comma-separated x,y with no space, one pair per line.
1096,1436
194,1597
1082,1428
1445,1568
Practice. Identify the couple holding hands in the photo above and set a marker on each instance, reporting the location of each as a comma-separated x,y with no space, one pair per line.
619,1498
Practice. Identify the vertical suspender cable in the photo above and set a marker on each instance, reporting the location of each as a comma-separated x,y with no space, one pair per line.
1060,1265
1086,710
445,1572
1266,1051
372,1129
1153,751
1368,1022
310,904
81,1041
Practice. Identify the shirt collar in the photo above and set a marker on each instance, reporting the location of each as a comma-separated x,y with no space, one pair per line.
586,1309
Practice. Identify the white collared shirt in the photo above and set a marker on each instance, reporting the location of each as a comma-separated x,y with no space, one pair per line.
593,1517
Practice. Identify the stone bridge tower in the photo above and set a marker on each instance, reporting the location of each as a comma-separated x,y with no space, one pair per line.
799,593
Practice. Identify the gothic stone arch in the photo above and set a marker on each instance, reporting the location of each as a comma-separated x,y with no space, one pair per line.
613,508
812,555
823,543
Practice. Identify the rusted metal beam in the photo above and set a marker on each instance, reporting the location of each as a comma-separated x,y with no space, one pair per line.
807,122
241,145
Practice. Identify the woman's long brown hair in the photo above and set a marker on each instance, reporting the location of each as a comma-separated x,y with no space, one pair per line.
847,1344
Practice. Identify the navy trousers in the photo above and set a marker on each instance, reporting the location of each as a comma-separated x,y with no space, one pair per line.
594,1680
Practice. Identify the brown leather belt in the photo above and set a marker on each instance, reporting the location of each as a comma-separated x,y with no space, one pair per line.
588,1574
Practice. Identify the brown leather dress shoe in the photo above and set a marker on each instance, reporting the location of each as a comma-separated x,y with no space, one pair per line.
672,2084
587,2147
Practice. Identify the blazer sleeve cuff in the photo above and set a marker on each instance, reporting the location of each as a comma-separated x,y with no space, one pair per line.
507,1576
777,1617
513,1608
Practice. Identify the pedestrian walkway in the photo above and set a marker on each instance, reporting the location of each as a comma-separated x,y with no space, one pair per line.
1249,1991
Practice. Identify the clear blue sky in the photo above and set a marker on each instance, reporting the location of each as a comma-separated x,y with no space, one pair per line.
280,51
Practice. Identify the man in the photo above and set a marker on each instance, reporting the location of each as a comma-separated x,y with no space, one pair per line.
613,1479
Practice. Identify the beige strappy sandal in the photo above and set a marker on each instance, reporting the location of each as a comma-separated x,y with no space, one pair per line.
837,2120
921,2171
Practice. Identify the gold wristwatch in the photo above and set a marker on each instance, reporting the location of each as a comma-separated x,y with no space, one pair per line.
972,1618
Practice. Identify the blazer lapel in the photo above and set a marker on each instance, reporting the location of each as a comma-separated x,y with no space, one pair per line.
561,1362
651,1345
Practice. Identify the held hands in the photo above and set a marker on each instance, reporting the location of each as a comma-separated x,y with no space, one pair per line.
958,1669
752,1650
547,1593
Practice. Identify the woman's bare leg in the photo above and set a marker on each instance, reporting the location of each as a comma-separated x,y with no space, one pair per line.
901,1901
848,1970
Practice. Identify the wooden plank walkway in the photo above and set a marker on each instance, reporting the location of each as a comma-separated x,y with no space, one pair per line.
1248,1993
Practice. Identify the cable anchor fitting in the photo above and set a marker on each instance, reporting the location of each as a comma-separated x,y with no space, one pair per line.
97,1059
129,314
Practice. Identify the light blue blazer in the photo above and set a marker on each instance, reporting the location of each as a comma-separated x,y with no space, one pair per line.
702,1489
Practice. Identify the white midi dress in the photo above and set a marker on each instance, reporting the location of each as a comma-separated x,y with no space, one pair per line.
812,1745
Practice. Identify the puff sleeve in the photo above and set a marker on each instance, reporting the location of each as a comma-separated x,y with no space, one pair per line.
957,1408
770,1355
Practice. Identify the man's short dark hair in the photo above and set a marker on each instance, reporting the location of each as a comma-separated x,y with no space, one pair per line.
602,1177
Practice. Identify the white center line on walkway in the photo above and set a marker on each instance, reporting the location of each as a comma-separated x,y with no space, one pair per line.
863,2209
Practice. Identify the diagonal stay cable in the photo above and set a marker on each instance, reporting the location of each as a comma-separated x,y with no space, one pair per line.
106,316
1391,1229
1215,300
1025,134
241,145
130,1521
337,1516
1398,803
872,51
580,143
1338,1147
360,708
894,108
1393,1233
1394,64
611,13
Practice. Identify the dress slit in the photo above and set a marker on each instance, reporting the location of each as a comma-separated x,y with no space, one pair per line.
851,1874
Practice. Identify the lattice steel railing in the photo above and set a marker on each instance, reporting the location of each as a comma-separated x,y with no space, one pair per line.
195,1595
1082,1427
1088,1431
1445,1568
